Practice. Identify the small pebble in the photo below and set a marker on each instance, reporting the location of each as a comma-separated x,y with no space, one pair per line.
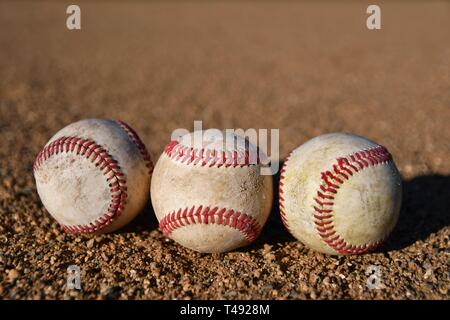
90,243
13,274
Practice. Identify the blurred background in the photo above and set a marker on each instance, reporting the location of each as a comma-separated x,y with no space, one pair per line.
304,67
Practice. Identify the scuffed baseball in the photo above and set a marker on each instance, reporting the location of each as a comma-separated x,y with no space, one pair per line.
340,194
207,195
93,176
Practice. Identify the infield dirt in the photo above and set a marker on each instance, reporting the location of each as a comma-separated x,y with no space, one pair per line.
304,68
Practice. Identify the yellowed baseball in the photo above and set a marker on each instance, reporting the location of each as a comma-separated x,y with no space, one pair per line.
93,176
208,196
340,194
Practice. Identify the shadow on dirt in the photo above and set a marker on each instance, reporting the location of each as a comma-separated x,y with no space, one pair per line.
425,210
146,220
274,232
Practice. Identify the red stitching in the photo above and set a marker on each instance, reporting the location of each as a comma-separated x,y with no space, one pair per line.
281,194
139,144
323,212
205,215
209,157
105,162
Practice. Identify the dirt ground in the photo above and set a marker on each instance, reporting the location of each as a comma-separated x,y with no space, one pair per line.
304,68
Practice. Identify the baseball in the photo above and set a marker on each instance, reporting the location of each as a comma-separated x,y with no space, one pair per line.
208,194
93,176
340,194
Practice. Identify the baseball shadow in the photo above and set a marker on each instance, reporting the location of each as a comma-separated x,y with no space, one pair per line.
425,210
144,221
273,232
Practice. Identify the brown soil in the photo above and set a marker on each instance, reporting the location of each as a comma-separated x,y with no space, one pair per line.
304,68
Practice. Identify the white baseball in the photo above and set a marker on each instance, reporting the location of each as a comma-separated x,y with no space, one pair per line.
340,194
93,176
209,196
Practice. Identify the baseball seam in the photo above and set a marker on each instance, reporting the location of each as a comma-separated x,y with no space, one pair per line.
331,181
106,164
208,157
139,144
281,194
206,215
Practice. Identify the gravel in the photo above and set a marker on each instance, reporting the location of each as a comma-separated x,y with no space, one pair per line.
302,68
